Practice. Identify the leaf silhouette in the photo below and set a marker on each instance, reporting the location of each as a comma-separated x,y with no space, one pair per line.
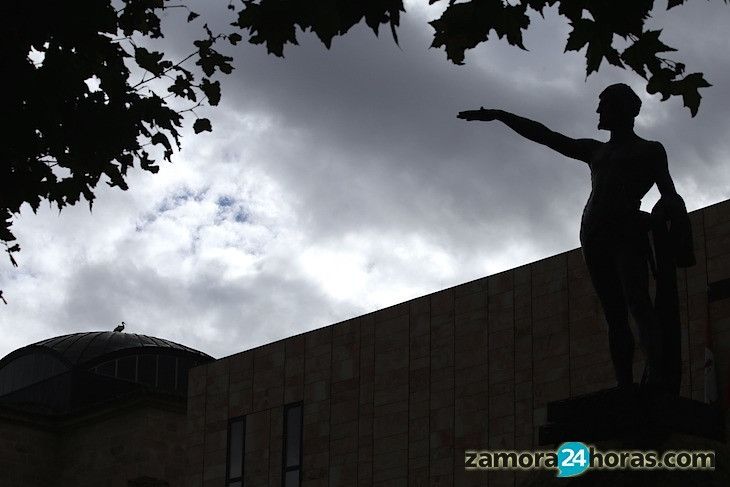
202,125
643,52
151,61
463,26
688,88
212,91
599,42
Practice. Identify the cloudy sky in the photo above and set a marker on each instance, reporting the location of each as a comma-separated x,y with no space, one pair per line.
339,182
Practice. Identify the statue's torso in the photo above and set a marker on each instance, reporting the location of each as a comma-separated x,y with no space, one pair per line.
621,175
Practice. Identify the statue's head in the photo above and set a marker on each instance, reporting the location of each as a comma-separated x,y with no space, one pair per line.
617,107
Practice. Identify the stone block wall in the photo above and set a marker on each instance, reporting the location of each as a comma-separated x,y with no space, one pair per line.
105,448
394,397
28,452
120,446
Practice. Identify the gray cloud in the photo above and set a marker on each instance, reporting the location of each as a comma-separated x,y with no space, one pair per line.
337,182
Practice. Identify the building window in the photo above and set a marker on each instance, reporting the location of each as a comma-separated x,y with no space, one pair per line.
159,371
147,369
109,368
29,369
127,368
166,372
292,445
183,367
236,449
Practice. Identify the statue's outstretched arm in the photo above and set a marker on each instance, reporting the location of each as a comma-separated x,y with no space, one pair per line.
581,149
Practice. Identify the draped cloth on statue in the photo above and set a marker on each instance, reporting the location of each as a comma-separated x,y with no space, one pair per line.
671,234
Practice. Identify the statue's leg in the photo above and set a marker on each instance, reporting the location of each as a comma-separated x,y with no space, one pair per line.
632,264
602,268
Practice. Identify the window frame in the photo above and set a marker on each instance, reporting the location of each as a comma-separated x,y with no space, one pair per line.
231,421
285,436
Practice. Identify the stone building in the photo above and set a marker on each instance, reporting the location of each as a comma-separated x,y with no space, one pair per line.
95,409
395,397
391,398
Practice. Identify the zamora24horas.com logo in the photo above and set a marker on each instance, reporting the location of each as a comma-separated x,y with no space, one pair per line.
574,458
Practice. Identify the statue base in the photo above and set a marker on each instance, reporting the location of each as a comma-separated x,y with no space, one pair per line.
639,417
634,419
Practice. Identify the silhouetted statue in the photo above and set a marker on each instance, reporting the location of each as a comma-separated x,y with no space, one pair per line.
613,230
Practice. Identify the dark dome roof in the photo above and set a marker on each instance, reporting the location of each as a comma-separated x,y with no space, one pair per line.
88,348
79,371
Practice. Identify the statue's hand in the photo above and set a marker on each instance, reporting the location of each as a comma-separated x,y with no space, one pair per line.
483,114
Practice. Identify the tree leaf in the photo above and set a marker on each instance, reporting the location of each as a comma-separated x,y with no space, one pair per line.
580,35
234,38
151,61
210,60
203,44
572,9
192,16
212,91
674,3
688,88
661,82
267,22
160,138
183,88
621,17
275,22
463,26
539,5
643,52
202,125
146,163
599,42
